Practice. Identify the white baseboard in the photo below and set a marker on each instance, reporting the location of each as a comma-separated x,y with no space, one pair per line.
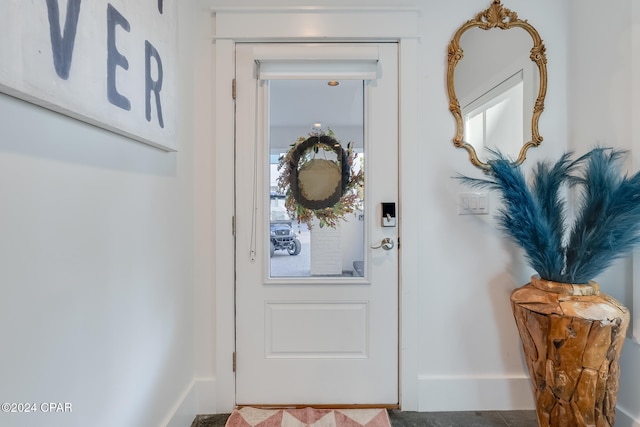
624,419
457,393
198,398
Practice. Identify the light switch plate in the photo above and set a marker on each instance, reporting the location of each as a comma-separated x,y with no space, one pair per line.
473,204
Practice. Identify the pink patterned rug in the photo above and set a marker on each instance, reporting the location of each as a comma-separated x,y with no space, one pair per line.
308,417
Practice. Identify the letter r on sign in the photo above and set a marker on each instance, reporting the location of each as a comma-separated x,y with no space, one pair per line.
152,85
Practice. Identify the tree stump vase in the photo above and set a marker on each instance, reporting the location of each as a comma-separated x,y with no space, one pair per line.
572,336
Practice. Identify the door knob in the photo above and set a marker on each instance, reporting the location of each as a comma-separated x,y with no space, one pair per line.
386,244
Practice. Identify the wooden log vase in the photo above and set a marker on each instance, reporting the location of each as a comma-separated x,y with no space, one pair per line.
572,336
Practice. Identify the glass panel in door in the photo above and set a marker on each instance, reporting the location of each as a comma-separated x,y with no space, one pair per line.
299,110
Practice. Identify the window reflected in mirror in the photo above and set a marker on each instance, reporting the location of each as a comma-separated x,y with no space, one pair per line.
496,119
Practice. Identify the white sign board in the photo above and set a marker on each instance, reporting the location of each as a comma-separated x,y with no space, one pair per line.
110,63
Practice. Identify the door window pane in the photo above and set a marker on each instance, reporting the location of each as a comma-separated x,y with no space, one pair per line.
299,109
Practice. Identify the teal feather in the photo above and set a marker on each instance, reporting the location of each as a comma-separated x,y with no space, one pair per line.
608,222
605,228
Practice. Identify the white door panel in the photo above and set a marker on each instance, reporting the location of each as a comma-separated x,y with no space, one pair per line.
304,338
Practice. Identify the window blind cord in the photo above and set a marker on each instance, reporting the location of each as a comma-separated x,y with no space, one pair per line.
254,201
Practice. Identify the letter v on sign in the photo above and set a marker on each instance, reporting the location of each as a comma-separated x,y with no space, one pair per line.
62,42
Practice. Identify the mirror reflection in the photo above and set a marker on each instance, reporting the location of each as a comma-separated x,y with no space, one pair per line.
497,83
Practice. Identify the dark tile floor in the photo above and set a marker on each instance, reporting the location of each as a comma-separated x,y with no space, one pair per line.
426,419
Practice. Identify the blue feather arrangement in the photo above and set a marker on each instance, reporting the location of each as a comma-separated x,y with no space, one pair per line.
605,228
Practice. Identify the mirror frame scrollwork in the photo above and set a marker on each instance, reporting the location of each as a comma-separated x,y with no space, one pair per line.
496,16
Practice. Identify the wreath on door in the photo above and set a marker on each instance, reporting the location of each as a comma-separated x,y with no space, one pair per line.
319,180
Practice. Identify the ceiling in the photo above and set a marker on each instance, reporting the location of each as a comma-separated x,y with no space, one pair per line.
305,102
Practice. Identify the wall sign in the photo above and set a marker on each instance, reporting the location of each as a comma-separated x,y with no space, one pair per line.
109,63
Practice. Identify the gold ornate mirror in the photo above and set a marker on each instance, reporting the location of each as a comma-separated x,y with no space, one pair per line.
497,82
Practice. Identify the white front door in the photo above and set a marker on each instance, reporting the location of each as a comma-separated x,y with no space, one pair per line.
317,319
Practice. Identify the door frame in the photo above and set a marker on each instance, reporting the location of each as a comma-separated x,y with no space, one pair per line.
276,24
367,306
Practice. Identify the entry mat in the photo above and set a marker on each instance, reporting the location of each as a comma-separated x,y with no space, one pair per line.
308,417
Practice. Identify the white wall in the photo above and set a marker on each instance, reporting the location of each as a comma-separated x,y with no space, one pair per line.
96,267
470,354
603,110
